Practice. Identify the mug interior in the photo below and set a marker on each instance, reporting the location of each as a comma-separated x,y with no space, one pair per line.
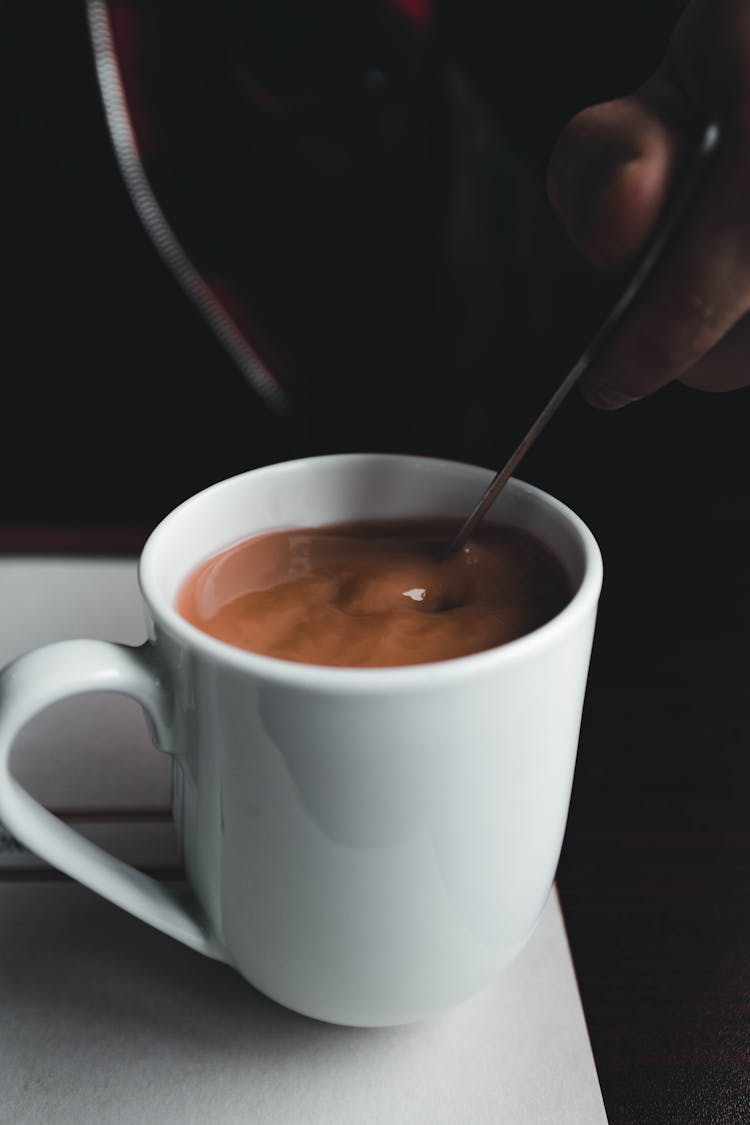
347,487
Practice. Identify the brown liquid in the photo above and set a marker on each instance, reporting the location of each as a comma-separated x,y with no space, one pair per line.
375,594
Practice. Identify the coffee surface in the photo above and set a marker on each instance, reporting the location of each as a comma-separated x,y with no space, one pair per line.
375,594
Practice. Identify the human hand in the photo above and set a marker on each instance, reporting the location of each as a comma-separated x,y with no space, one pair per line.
609,177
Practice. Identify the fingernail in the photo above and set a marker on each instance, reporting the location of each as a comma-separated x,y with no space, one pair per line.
604,397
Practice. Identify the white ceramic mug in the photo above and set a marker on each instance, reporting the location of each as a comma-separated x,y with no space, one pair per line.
365,846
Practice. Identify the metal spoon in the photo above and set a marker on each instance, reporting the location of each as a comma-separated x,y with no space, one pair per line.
677,208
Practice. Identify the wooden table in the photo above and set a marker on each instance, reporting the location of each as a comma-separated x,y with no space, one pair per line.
655,871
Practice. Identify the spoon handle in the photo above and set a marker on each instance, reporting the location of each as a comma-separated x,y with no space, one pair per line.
652,255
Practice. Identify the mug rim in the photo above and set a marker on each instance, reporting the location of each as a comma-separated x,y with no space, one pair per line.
322,677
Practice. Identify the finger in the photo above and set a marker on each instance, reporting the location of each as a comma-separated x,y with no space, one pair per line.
609,177
700,292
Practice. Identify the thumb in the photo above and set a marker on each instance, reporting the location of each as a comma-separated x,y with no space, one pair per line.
609,176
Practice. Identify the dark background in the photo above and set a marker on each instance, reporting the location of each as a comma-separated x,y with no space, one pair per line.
119,401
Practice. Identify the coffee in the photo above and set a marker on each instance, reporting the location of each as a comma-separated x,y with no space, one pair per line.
375,594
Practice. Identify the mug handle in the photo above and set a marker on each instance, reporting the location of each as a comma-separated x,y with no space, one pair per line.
45,676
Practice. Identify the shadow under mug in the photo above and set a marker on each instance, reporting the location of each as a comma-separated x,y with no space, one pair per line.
366,846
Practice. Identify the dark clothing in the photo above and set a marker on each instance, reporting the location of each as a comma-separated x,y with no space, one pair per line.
345,197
